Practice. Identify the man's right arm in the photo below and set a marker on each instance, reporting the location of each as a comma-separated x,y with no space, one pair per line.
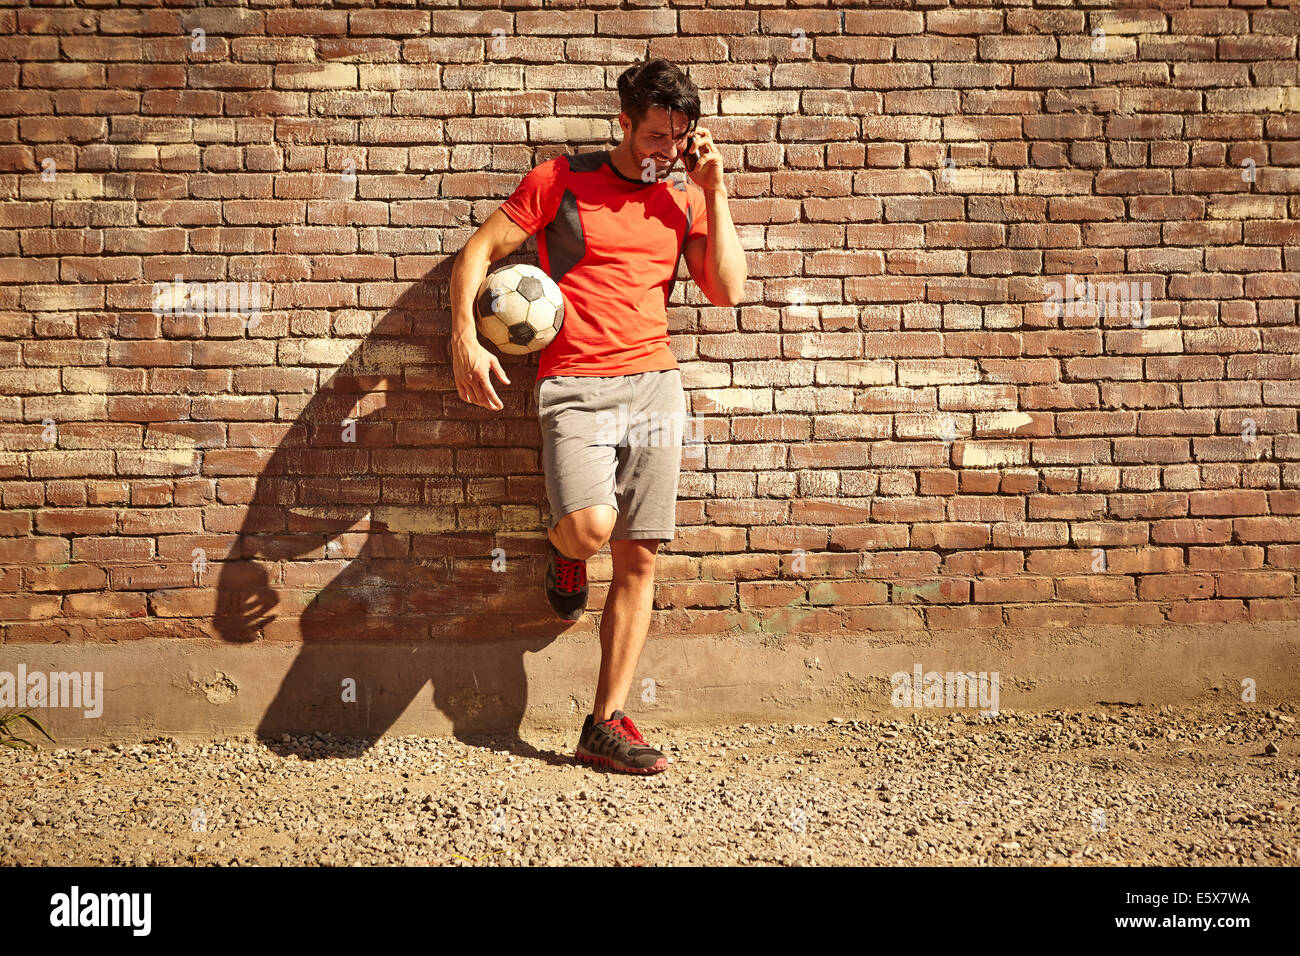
495,239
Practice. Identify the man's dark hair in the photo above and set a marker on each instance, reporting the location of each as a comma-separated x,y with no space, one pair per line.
658,83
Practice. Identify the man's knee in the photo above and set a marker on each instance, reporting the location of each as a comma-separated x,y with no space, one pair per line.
634,559
588,529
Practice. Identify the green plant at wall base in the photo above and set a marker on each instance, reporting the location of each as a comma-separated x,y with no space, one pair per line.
10,739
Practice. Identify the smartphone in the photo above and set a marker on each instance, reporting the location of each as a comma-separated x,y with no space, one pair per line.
689,159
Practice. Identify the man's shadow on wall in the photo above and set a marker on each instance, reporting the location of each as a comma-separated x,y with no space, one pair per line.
395,531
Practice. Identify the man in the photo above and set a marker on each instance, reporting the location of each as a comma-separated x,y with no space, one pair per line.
613,228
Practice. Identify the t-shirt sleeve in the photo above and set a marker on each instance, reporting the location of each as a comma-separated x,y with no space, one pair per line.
700,219
534,202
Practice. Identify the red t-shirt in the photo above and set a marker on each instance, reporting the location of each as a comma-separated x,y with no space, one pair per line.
612,245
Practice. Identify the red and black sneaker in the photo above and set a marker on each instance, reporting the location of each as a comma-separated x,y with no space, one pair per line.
617,744
566,584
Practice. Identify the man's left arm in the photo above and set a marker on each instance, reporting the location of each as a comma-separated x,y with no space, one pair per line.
716,261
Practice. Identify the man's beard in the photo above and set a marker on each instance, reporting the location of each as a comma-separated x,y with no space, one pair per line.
661,167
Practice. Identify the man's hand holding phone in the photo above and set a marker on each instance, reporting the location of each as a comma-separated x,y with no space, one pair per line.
702,160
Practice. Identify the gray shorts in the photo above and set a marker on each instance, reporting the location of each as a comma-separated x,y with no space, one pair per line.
614,440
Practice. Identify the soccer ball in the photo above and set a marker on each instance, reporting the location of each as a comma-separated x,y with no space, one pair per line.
519,309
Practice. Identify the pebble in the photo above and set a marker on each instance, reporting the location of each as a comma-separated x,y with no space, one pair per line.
944,788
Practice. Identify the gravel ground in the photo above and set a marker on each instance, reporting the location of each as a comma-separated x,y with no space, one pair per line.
1121,785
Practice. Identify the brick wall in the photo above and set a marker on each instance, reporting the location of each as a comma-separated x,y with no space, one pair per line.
906,426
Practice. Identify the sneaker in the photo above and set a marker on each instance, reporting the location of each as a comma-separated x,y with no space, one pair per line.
566,584
617,744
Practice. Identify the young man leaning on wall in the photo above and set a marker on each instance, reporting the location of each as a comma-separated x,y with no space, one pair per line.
612,228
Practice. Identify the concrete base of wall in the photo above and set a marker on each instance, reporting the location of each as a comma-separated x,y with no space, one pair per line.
197,690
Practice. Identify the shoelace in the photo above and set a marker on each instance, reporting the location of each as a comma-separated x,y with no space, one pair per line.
626,729
570,576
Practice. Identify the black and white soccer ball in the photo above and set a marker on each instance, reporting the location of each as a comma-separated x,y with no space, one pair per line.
519,309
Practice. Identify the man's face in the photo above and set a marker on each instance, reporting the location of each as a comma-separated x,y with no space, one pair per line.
659,138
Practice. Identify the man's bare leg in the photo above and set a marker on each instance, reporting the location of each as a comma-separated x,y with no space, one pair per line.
625,621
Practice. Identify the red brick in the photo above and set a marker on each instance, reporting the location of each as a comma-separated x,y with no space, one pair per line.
1267,609
1224,558
898,618
1206,612
1096,588
1124,615
1198,531
1017,589
1255,584
1049,616
1266,529
963,618
1155,587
